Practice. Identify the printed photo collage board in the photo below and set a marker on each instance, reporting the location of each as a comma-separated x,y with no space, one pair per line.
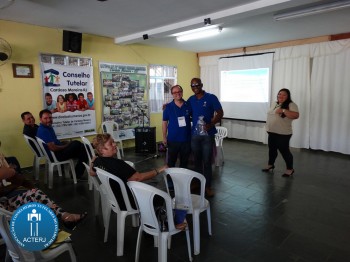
124,95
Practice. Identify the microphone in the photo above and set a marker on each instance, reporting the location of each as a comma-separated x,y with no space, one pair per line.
143,112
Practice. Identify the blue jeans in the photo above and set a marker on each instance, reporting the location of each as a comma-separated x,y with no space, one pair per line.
202,148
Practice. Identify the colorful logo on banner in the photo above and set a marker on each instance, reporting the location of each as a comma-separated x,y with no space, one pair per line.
51,77
34,226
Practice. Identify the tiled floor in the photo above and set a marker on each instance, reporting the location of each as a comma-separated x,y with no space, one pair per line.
256,216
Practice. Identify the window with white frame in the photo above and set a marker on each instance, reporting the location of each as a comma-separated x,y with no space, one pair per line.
161,78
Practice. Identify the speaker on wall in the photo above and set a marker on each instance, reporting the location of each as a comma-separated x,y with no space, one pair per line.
72,41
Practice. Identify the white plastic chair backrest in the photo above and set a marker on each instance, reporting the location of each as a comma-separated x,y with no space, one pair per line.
130,163
88,147
182,178
50,156
220,135
16,253
6,213
109,127
94,179
119,156
104,177
34,146
144,195
222,131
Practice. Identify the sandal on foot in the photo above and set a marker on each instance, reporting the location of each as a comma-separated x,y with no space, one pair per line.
72,220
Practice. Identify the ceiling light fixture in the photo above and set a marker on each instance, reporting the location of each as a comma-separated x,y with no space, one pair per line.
198,33
312,10
164,30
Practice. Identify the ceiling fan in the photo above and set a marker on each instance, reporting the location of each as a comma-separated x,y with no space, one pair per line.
5,51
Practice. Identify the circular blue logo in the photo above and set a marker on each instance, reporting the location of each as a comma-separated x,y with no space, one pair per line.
34,226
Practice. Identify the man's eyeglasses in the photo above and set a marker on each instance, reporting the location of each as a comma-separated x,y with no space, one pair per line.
194,85
175,93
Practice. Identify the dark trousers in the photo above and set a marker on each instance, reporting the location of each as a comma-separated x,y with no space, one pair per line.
181,149
280,143
11,160
202,148
76,150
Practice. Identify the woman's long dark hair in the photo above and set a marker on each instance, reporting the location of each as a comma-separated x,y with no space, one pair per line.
285,104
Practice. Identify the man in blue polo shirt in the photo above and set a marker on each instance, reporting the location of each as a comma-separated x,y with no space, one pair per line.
176,128
207,105
63,151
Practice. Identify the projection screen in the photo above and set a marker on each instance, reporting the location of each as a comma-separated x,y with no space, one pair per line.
245,86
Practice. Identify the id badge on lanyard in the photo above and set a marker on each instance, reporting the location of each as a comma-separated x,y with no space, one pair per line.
182,121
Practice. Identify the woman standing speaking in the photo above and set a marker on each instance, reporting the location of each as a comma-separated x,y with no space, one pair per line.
279,129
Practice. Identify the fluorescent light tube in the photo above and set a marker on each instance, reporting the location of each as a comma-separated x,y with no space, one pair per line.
312,10
196,30
207,32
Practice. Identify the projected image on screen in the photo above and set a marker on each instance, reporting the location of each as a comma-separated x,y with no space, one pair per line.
250,85
245,86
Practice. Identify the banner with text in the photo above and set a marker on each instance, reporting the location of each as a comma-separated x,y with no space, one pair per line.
68,92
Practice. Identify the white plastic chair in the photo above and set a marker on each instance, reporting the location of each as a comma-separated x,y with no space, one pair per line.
88,147
2,240
144,195
109,127
130,163
195,204
98,192
5,212
219,137
52,162
91,154
112,204
19,255
38,155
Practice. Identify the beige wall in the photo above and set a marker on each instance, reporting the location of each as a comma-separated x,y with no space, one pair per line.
24,94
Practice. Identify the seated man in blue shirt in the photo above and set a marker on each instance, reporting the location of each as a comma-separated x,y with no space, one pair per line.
63,151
